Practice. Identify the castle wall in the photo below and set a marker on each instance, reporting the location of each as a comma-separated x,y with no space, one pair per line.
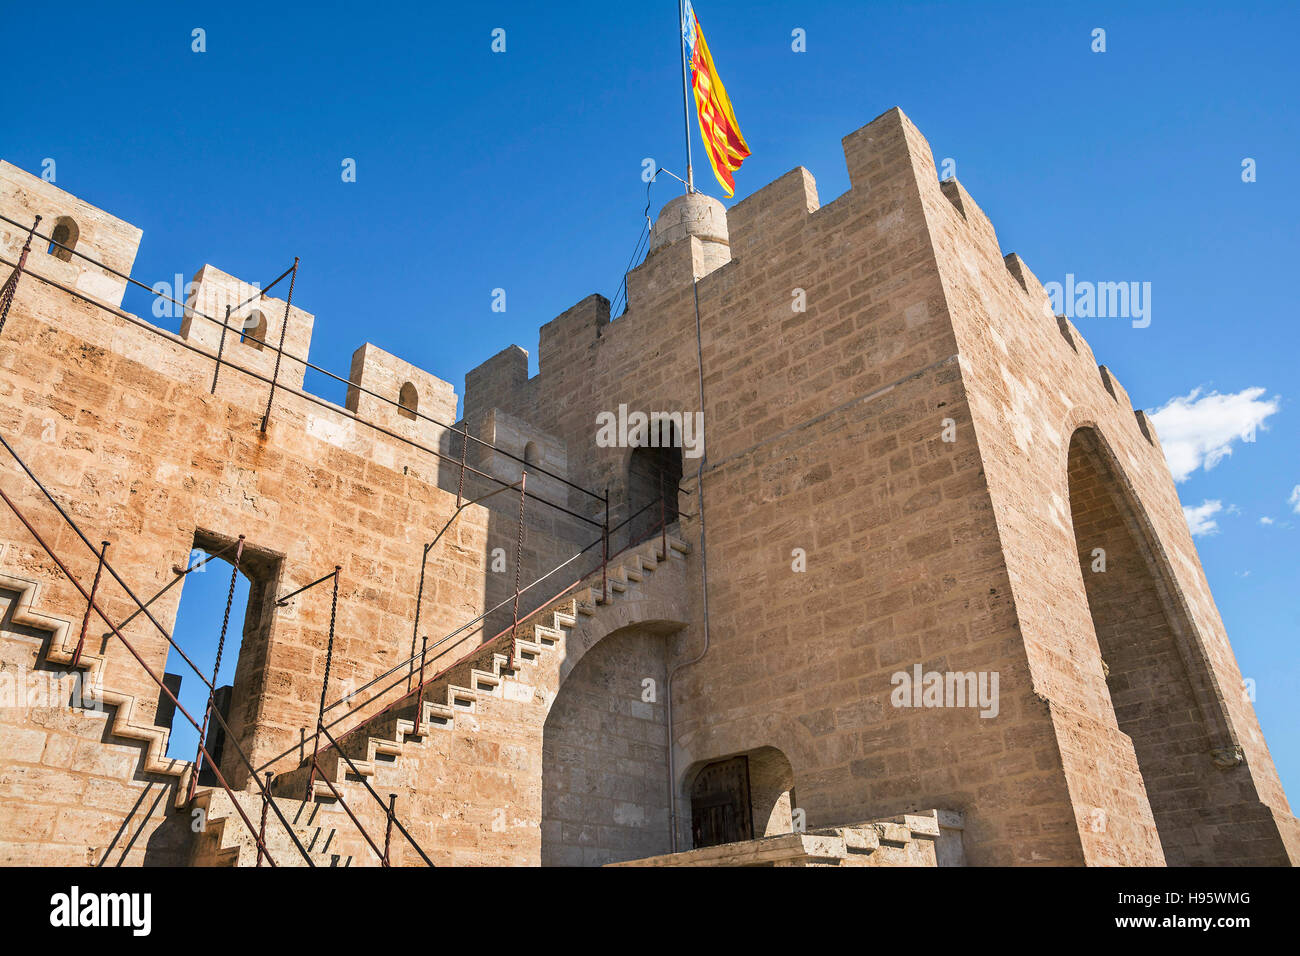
1032,382
889,409
118,419
561,762
69,794
115,242
605,759
824,434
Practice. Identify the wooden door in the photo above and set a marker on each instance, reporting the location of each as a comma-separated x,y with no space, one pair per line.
720,810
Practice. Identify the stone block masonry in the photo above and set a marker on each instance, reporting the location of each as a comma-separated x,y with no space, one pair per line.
909,463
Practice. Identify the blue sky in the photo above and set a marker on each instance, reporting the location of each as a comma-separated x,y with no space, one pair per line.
522,170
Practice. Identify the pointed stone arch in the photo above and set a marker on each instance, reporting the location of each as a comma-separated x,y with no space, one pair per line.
1162,687
604,782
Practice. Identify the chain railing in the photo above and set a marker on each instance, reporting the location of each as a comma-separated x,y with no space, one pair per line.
273,383
659,530
264,784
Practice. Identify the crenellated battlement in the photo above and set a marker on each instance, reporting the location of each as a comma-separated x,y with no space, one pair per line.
75,223
256,320
384,389
911,466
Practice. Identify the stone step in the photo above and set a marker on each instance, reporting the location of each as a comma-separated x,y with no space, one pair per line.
226,840
481,674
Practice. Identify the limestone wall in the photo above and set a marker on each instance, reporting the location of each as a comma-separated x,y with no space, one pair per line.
890,410
118,419
840,344
1035,383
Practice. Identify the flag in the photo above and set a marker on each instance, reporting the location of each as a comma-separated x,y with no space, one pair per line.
722,139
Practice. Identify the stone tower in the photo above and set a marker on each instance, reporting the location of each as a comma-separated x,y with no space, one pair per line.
910,467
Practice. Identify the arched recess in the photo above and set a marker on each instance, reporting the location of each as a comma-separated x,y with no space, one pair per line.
744,796
408,401
64,238
605,793
1161,687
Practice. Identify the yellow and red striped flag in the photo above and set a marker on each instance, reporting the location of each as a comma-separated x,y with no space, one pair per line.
722,139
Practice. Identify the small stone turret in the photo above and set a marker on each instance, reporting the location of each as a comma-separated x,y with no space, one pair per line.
698,215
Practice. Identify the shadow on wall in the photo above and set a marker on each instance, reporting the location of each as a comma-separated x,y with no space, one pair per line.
604,755
1161,690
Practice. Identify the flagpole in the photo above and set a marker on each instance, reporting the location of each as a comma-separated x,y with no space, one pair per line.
686,102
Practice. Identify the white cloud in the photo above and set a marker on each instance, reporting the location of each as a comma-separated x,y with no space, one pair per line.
1198,430
1265,520
1294,500
1201,518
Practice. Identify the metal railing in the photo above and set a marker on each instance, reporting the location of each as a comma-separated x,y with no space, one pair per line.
659,530
6,296
92,605
264,785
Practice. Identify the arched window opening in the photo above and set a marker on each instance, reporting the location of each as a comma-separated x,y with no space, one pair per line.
408,402
654,473
63,238
532,455
254,330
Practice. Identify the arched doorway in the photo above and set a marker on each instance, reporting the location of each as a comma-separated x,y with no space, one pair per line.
742,797
654,474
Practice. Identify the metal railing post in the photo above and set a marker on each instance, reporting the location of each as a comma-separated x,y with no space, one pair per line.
464,447
419,599
10,288
275,374
663,514
419,701
216,669
324,685
388,832
221,347
85,621
519,560
261,829
604,557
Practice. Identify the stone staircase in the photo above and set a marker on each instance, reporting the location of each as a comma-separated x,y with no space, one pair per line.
487,671
124,724
932,838
225,841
